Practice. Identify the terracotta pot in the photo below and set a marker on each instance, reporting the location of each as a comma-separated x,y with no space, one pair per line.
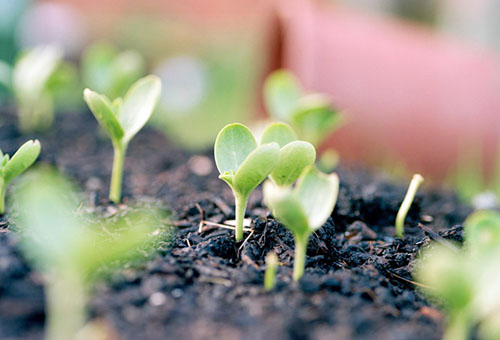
407,92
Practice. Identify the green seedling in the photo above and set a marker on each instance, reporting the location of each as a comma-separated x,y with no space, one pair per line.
272,264
295,155
312,115
71,250
415,183
122,119
110,72
10,168
243,165
303,209
466,280
31,86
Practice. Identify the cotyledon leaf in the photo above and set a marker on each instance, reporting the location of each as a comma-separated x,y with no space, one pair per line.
232,146
295,157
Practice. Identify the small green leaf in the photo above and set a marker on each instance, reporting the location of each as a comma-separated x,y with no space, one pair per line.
295,157
282,90
280,133
286,207
104,113
256,167
482,230
317,193
232,146
314,117
24,157
33,70
138,105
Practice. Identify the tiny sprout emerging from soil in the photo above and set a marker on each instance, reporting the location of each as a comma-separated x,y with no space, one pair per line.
272,264
71,250
312,115
303,209
31,85
295,155
243,165
110,72
122,119
466,280
415,183
10,168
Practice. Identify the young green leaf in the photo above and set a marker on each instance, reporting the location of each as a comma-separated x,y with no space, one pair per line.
243,165
304,208
105,114
30,79
10,168
138,105
122,119
295,155
280,133
282,90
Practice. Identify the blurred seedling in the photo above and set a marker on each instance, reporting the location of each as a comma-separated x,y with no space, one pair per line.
243,165
37,78
303,209
10,168
109,71
122,119
466,281
311,114
415,183
272,264
69,249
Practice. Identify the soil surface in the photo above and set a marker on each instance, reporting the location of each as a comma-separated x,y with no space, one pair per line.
357,283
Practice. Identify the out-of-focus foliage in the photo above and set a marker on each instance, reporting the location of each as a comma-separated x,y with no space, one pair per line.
70,249
109,71
466,280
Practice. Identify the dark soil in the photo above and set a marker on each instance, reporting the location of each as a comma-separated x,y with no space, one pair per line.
357,284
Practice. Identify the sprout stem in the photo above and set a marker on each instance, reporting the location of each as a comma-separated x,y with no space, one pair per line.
3,187
415,183
241,206
270,274
115,191
66,297
299,262
457,328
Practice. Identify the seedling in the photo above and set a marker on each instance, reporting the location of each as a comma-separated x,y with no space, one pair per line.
295,155
303,209
466,281
30,83
71,250
415,183
312,115
10,168
122,119
272,264
110,72
243,165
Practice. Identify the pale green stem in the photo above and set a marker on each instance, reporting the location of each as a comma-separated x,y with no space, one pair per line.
270,274
3,187
299,262
115,191
458,328
240,202
65,299
415,183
